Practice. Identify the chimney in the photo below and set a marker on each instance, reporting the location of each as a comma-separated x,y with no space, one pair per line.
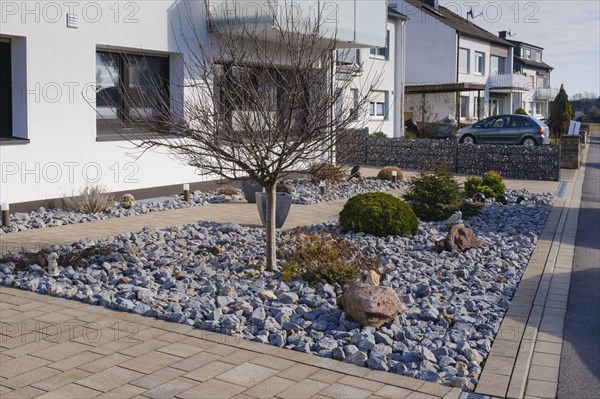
502,34
431,3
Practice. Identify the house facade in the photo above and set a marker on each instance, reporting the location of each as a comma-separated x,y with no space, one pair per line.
454,67
528,62
59,64
381,70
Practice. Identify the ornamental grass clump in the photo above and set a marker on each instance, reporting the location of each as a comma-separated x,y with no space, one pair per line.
379,214
386,173
327,172
434,196
91,199
322,257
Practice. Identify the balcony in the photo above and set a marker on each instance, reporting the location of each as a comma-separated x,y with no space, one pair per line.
508,83
546,94
352,23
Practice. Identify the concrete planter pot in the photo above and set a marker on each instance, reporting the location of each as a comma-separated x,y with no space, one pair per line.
250,188
282,207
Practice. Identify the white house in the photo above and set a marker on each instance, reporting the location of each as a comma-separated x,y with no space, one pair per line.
56,121
382,69
454,67
528,61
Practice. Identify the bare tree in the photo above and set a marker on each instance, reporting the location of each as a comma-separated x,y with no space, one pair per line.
257,101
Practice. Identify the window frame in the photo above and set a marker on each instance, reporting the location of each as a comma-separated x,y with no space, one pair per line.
501,65
479,63
115,129
379,110
464,102
467,58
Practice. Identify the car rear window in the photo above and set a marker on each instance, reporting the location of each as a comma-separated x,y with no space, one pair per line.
526,122
515,121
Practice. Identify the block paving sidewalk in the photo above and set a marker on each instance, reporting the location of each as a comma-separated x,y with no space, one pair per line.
56,348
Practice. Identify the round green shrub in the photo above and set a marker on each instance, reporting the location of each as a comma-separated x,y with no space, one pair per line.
434,196
491,185
379,214
386,173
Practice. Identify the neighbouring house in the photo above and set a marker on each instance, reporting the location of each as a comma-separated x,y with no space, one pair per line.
454,67
58,66
528,61
383,69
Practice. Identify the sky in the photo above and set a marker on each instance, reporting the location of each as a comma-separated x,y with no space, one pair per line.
568,30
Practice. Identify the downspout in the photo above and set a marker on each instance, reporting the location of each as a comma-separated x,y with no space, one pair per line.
457,95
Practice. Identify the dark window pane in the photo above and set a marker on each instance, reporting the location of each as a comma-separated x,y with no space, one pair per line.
5,91
108,77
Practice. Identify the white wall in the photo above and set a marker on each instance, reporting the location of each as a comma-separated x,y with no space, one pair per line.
430,48
63,154
55,107
384,75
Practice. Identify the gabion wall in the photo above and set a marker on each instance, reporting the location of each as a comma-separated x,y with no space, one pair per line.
511,161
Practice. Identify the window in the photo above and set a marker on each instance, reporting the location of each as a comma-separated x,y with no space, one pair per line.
464,107
497,65
479,63
538,56
531,82
463,60
5,90
263,99
130,87
383,51
378,104
528,54
354,108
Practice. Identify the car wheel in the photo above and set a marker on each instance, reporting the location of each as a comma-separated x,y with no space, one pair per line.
468,139
528,142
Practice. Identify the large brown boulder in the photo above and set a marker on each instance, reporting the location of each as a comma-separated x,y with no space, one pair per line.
370,305
459,239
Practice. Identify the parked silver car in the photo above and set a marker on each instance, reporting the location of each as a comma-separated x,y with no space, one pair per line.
505,129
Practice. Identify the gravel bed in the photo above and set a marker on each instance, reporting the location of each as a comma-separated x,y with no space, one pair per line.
305,193
210,276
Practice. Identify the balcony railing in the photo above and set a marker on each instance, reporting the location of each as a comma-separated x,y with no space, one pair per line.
546,94
353,23
509,82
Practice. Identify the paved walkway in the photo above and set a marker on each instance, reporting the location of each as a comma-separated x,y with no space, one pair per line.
579,373
55,348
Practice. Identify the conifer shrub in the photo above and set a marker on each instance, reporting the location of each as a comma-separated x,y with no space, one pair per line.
434,196
491,185
379,214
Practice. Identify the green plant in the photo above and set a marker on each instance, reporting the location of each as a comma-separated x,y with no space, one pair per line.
491,185
91,199
520,111
379,214
378,135
434,196
327,172
561,114
410,135
386,173
323,257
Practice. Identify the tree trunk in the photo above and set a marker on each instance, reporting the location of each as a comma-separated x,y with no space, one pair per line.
270,227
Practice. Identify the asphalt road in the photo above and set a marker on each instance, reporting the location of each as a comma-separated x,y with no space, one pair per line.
579,374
